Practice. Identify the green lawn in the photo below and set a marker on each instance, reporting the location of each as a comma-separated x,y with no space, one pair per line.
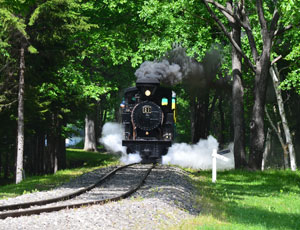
247,200
78,162
239,199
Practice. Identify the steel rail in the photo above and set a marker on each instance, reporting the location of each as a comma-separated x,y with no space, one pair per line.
64,197
78,205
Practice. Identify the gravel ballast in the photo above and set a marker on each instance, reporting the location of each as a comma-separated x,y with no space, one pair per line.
165,199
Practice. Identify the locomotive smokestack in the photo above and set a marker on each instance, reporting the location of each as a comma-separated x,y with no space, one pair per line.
163,71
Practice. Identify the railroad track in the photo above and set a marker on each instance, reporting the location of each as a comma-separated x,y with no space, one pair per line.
59,203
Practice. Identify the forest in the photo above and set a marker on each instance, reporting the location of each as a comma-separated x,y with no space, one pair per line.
65,64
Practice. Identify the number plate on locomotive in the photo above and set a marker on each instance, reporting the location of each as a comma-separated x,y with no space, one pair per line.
147,109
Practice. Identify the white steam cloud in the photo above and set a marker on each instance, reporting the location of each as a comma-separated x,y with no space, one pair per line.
131,158
112,137
197,156
112,134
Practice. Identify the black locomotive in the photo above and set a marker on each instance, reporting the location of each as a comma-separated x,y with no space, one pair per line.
148,116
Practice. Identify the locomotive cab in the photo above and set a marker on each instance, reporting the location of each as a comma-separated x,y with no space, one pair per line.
148,119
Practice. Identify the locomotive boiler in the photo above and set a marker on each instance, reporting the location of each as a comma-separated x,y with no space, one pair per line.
148,117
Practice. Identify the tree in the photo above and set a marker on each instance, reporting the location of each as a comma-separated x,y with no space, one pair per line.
270,27
237,86
16,26
51,27
289,142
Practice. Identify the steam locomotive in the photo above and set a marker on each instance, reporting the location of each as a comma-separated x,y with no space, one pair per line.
148,117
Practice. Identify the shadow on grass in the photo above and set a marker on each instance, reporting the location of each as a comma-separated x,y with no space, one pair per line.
256,216
268,199
78,162
261,184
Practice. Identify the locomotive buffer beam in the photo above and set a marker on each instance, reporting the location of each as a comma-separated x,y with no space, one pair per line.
147,148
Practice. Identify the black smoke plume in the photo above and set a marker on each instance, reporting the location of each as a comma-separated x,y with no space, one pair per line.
176,67
163,71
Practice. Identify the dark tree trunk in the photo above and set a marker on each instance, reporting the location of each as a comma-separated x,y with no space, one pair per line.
257,134
6,166
46,157
62,161
192,108
200,120
222,122
37,153
100,119
56,147
104,116
210,112
50,160
198,117
277,131
40,152
238,102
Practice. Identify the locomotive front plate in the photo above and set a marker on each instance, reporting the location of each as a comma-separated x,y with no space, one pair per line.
147,109
146,116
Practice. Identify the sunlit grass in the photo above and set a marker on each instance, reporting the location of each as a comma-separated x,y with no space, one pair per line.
239,199
82,161
247,200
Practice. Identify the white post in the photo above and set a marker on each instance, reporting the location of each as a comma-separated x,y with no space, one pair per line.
214,165
214,156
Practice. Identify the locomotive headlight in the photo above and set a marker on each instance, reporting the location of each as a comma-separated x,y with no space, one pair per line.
147,92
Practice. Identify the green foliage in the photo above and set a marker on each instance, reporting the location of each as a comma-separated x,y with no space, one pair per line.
289,48
32,50
85,52
179,22
292,81
11,22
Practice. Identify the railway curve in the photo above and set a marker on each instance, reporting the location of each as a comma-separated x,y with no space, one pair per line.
87,196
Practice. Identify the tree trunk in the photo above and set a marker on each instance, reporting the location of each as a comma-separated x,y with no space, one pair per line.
39,152
278,133
284,148
209,113
90,137
56,146
20,132
238,103
6,166
275,77
192,108
100,119
257,134
98,122
61,149
222,122
61,146
200,121
261,67
267,149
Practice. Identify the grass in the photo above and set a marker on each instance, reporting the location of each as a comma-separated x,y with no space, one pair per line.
247,200
239,200
78,162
